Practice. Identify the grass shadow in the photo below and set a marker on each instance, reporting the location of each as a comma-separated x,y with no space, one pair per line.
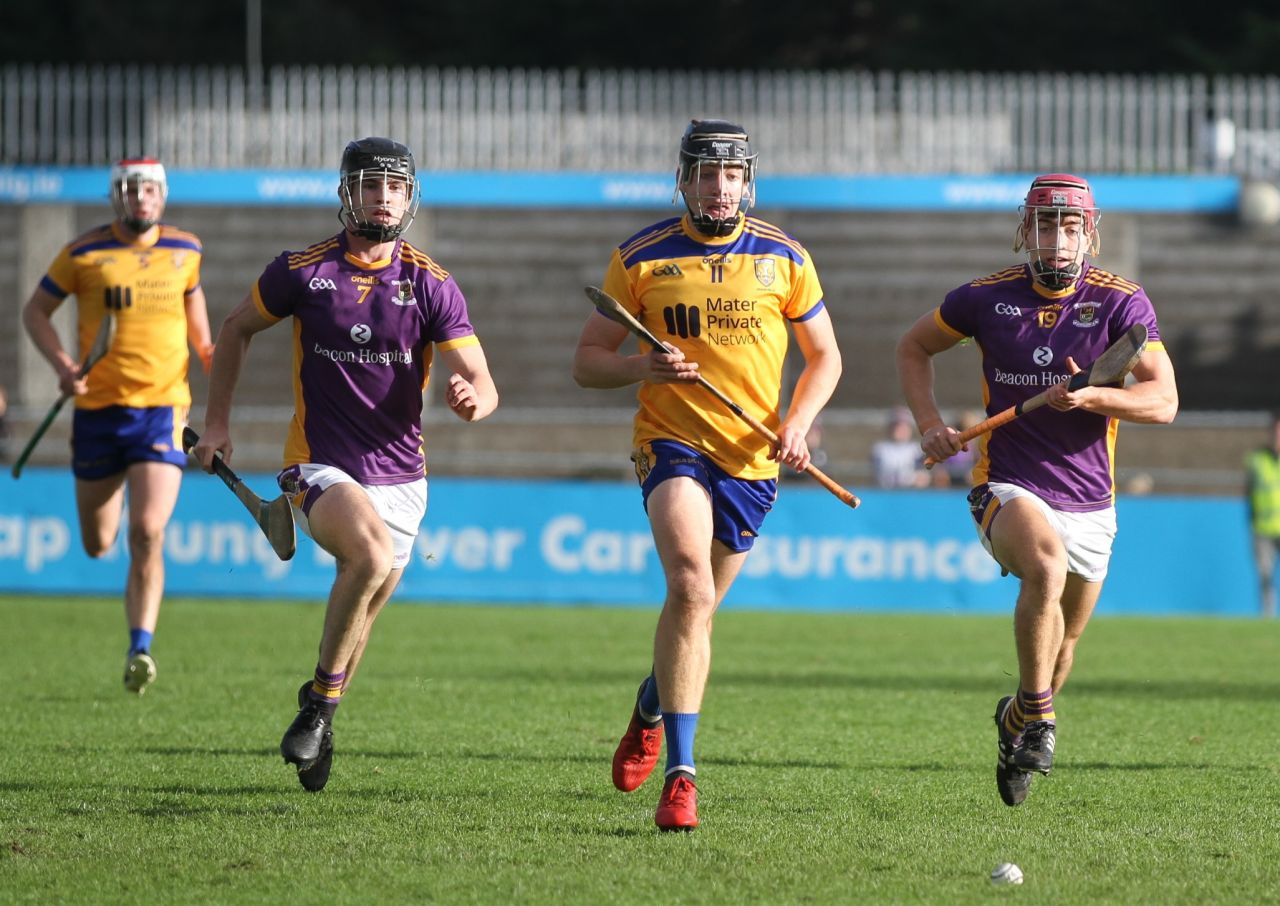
274,753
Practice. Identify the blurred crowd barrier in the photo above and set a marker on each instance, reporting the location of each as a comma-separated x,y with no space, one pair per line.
837,122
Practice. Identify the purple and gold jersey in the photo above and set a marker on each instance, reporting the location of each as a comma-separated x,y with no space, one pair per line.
144,282
1025,333
724,302
362,336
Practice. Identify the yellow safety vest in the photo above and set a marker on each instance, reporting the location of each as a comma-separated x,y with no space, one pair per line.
1264,492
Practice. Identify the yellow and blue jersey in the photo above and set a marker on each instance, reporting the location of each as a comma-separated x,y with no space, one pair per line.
725,303
144,283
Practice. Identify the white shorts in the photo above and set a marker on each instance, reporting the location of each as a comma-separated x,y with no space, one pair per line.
1086,536
401,507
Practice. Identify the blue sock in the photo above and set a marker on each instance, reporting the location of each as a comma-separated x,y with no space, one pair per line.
681,728
650,710
139,642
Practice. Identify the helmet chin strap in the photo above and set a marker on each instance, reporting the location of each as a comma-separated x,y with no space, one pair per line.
714,226
1056,277
138,225
376,233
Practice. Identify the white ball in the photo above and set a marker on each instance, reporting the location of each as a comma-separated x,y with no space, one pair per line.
1006,873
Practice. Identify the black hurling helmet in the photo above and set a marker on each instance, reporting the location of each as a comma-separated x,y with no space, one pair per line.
715,143
379,158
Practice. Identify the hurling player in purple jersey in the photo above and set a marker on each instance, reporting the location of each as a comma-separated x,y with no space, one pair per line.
1043,495
367,308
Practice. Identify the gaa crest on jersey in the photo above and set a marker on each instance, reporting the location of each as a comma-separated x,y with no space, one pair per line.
178,258
404,292
1086,314
765,271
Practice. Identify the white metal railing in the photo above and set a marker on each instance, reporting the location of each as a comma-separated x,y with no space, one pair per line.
545,120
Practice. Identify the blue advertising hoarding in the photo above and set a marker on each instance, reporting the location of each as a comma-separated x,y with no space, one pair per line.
1004,192
563,542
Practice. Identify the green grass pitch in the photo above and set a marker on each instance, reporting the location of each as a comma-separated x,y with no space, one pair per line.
842,759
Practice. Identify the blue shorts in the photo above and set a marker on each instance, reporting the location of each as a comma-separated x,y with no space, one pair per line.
738,505
105,442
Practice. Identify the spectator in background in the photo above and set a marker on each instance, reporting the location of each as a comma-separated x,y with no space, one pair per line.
896,461
1140,484
130,408
1262,494
4,425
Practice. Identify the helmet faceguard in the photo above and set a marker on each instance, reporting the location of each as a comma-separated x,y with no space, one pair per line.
1058,227
719,144
378,181
127,180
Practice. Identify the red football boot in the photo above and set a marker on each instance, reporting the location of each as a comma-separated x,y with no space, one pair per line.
637,753
678,807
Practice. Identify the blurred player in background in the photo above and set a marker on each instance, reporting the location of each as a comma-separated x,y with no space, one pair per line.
1262,495
366,308
130,408
1044,495
720,288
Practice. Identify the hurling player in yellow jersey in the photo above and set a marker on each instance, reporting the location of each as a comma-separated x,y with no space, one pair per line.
720,289
130,408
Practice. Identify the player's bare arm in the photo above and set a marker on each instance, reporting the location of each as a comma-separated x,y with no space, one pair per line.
471,393
37,317
597,363
224,373
915,353
198,333
1152,399
822,368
